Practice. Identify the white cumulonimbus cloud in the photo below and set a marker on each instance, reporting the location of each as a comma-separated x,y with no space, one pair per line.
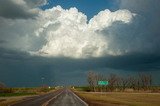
58,32
69,34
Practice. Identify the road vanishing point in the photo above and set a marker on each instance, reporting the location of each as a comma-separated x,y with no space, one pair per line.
63,97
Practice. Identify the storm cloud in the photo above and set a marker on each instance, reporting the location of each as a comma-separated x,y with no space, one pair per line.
22,69
62,45
144,30
20,9
65,32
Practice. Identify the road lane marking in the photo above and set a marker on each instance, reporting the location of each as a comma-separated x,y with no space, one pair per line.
46,103
79,98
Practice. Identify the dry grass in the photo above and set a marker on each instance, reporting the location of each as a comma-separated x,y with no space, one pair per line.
8,100
5,101
121,99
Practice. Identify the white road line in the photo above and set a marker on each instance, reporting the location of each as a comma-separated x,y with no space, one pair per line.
80,99
46,103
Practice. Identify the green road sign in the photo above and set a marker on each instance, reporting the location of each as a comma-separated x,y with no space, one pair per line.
103,82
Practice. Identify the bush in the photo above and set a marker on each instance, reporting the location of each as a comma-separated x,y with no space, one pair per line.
44,89
2,85
6,90
87,89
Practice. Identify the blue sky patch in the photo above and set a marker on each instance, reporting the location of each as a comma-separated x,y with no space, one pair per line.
88,7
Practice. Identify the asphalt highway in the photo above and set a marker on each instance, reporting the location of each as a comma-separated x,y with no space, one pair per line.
63,97
67,98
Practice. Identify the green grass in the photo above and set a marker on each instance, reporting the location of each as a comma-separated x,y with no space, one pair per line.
7,92
15,94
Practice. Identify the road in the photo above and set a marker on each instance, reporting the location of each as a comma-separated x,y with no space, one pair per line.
63,97
67,98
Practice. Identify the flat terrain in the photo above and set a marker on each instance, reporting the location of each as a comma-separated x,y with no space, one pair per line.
121,99
5,101
61,97
14,95
65,97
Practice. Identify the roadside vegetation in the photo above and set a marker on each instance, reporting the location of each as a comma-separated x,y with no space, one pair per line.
5,91
140,83
11,95
120,91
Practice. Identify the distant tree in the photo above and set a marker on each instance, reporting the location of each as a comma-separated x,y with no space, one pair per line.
101,77
2,85
4,89
132,82
142,81
145,81
113,78
124,82
92,78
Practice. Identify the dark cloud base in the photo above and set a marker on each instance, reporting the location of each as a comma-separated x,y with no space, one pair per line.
11,10
22,69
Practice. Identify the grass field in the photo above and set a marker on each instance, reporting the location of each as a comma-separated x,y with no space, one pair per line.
5,92
12,95
15,94
121,99
6,101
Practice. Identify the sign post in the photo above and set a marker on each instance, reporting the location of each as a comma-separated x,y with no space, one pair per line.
103,83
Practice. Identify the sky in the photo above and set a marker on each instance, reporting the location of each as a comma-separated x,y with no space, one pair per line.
61,40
